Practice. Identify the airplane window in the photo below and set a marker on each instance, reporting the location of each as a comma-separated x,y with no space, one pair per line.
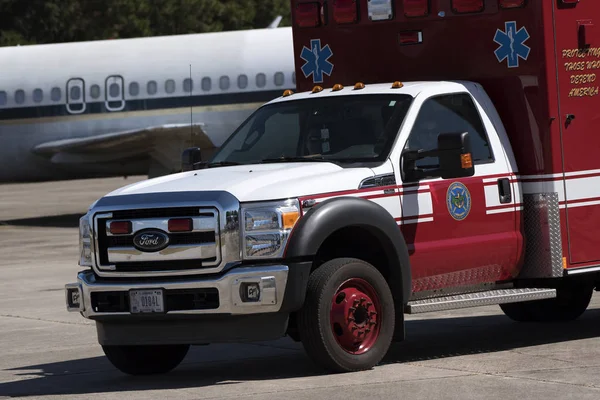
188,85
242,81
294,77
20,96
55,94
206,84
134,89
38,95
261,80
75,93
95,91
224,83
170,86
3,98
279,79
152,87
114,90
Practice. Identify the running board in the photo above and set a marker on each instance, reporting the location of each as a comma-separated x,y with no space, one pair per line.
478,299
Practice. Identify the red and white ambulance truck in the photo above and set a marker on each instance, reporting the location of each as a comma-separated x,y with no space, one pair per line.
440,154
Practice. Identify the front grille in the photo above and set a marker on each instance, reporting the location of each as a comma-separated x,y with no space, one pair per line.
185,251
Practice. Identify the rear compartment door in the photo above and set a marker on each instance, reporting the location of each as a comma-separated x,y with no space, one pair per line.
577,27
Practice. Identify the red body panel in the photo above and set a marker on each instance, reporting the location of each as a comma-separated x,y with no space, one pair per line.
437,249
533,94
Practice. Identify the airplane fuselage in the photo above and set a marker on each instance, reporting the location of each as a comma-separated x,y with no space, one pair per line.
53,97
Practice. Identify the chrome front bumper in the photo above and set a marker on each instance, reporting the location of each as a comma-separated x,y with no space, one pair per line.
272,281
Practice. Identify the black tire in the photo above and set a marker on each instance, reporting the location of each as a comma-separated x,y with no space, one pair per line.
516,311
570,303
146,360
320,336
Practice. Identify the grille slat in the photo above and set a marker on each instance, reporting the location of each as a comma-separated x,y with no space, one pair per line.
175,239
160,213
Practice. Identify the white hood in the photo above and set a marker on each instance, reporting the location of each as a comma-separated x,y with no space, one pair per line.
257,182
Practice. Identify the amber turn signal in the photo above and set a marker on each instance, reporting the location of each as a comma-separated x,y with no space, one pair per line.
289,219
466,160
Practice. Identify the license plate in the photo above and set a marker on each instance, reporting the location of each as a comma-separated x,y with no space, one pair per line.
146,301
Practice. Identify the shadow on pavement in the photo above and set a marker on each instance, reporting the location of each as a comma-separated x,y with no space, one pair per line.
55,221
426,339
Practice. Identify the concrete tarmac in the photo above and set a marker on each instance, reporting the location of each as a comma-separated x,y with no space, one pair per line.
46,352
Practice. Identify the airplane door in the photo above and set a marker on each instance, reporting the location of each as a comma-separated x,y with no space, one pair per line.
75,96
114,93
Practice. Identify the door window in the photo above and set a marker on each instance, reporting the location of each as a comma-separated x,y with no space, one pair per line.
446,114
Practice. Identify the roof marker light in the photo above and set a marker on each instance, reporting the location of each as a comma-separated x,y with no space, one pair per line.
337,87
317,89
307,15
288,93
359,86
345,11
512,3
416,8
380,10
467,6
397,85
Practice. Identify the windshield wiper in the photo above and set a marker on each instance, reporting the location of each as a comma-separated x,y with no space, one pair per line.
296,159
222,164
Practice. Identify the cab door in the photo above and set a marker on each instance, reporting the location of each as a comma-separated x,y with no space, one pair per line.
459,231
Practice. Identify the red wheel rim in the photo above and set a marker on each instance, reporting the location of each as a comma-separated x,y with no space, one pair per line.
355,316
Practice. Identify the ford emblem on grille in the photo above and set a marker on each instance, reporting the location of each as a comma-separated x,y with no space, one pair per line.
151,240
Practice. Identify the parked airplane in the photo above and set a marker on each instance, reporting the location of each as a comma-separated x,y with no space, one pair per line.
130,106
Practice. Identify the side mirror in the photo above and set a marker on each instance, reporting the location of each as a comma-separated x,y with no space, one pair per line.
453,153
190,158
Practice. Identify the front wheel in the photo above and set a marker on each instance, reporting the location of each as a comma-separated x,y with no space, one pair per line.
347,320
146,360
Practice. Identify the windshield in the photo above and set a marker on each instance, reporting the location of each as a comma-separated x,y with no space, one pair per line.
341,129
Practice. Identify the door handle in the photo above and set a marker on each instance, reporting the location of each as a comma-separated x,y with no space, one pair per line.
504,190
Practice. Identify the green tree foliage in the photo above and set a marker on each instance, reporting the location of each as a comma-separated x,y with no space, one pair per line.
52,21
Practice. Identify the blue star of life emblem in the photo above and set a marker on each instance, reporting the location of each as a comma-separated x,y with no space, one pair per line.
512,45
316,59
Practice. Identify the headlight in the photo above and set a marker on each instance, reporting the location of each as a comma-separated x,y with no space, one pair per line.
85,241
266,228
